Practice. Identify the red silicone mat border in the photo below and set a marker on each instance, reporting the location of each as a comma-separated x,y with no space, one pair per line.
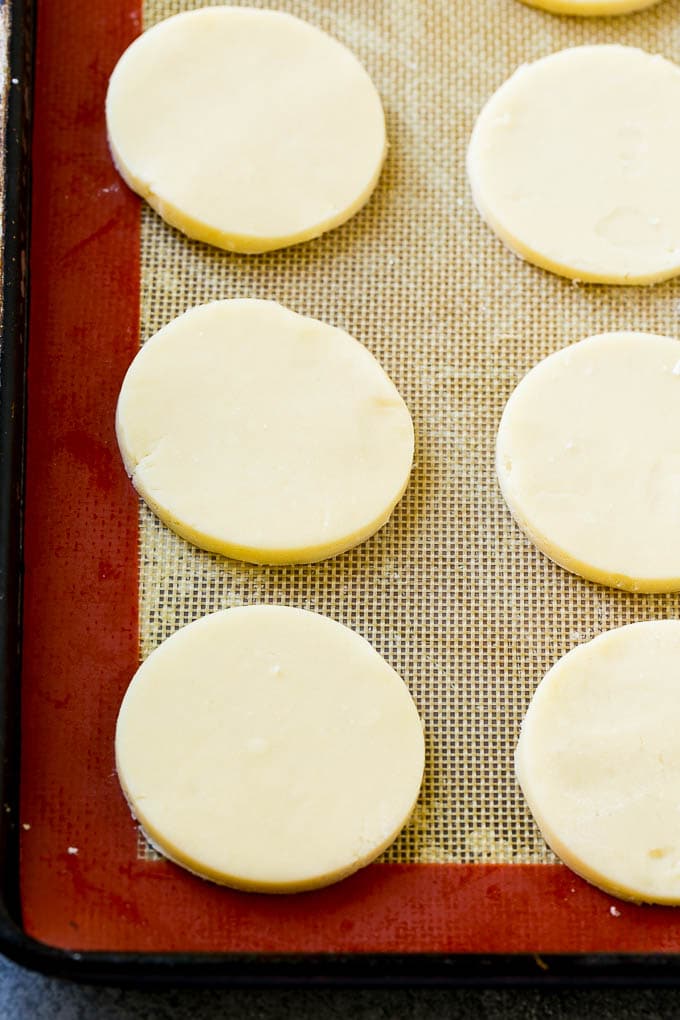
82,885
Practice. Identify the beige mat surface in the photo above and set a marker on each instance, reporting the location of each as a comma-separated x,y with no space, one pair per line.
449,591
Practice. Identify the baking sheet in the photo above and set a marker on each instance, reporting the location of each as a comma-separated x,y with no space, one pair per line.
449,591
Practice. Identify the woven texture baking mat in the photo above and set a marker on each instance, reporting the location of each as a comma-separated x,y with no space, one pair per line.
449,591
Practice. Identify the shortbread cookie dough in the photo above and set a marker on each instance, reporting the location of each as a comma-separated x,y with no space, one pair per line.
263,435
588,458
268,748
248,129
574,164
598,760
591,8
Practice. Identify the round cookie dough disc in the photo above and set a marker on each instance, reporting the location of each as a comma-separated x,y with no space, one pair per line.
263,435
590,8
588,459
268,748
248,129
598,760
574,163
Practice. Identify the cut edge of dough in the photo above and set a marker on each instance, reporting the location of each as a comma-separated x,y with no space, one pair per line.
573,861
261,555
506,236
565,854
282,888
603,8
554,552
558,555
242,244
264,555
577,275
198,230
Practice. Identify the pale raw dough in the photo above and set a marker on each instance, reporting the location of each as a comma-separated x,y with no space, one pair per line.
269,748
248,129
598,760
264,435
590,8
588,458
574,163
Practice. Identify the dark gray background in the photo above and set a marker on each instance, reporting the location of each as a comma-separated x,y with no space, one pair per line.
27,996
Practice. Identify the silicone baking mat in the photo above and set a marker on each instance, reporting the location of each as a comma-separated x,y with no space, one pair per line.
449,591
